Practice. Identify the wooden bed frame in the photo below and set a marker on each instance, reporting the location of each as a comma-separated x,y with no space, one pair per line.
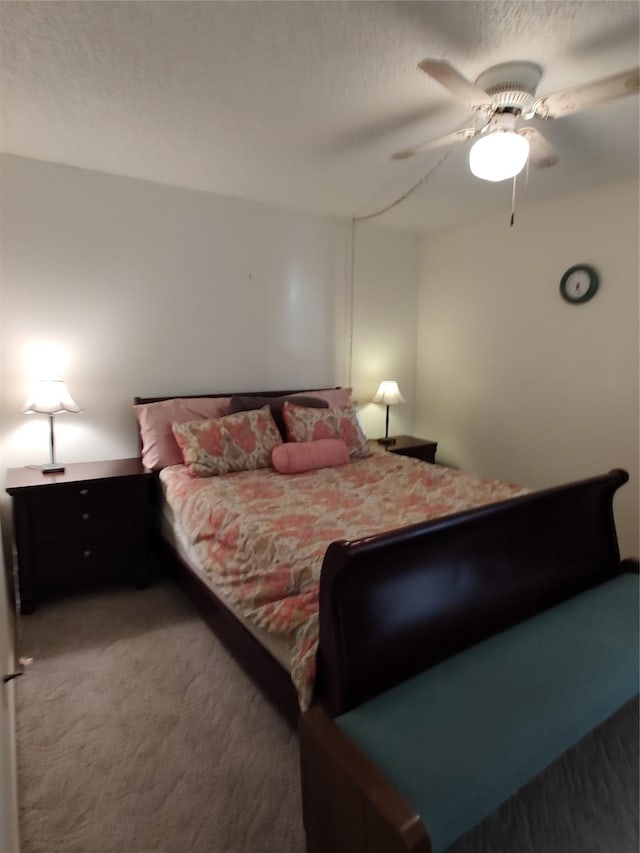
519,544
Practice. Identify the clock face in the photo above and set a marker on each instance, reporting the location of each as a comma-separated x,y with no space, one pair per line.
579,283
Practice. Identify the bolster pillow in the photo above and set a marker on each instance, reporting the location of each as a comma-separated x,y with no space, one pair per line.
294,457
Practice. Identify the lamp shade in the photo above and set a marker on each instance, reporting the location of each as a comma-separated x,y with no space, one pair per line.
388,393
50,397
498,155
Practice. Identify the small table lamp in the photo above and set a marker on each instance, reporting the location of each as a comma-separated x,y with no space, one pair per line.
50,397
389,394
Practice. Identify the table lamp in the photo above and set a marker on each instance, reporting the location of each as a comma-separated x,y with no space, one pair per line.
50,397
389,394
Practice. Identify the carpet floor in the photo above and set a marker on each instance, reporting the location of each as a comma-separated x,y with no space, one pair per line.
138,732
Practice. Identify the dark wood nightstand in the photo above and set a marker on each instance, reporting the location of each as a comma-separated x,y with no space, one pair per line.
419,448
88,523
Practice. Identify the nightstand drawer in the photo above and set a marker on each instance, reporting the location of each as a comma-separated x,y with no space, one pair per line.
63,561
78,509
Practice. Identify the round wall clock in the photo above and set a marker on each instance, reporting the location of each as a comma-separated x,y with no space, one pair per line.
579,284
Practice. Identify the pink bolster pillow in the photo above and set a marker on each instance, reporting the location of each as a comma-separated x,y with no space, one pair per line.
294,457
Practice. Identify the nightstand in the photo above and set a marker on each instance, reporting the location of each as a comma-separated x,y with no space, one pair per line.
88,523
419,448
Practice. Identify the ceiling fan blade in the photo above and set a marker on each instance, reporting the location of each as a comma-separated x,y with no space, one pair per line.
447,76
438,142
542,153
589,94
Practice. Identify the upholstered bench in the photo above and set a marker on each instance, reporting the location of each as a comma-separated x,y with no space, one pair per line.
460,738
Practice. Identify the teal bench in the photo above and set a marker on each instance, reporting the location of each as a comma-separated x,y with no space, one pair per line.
459,739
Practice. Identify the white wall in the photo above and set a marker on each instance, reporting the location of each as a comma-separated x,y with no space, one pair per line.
149,289
512,381
385,292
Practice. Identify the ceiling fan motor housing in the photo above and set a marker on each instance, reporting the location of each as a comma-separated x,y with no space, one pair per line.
501,122
511,85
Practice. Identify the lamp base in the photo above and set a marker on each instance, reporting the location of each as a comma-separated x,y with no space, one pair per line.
52,468
387,441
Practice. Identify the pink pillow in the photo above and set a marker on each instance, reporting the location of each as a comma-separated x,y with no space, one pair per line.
294,457
240,442
159,447
305,424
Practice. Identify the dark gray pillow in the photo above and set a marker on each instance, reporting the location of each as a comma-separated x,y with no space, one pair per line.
247,403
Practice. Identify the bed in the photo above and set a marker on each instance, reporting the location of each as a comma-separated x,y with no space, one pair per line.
249,545
384,597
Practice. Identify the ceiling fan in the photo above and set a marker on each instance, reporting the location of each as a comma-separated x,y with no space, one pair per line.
505,95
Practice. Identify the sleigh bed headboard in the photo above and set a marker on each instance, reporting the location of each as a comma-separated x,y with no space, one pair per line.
217,395
151,423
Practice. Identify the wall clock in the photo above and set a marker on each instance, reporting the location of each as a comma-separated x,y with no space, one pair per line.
579,284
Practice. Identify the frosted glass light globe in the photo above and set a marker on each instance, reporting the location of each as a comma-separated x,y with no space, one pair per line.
498,155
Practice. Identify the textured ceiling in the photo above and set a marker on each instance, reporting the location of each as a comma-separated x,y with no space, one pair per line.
301,103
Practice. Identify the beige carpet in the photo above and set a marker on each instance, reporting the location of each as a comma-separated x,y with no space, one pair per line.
137,732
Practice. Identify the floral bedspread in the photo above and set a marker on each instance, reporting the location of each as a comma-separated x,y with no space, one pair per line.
262,535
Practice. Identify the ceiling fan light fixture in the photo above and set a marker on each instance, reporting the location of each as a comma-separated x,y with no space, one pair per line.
499,155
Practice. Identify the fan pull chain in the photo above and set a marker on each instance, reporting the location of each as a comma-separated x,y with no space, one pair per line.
513,201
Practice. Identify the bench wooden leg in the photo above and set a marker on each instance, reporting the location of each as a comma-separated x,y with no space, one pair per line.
348,805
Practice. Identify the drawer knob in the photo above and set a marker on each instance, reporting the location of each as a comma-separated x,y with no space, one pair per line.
87,554
84,492
85,516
